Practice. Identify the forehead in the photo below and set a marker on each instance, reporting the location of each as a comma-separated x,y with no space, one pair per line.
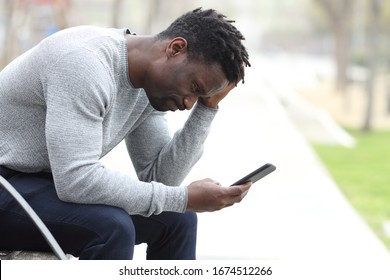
208,75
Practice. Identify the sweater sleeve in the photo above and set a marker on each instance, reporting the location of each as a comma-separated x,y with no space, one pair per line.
159,157
77,93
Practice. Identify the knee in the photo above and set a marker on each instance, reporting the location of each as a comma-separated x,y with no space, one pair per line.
118,224
117,236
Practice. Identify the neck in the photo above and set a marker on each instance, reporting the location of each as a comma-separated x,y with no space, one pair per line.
140,54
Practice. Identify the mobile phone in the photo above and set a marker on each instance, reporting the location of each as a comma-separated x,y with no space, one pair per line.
257,174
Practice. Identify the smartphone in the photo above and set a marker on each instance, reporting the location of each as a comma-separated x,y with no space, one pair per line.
257,174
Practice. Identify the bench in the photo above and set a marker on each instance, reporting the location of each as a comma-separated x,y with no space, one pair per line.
24,255
27,255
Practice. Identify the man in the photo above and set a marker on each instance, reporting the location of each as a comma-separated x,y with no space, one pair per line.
67,102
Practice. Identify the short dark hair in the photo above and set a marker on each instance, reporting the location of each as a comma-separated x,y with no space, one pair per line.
212,38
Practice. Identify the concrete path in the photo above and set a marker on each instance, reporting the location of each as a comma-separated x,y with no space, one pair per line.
296,215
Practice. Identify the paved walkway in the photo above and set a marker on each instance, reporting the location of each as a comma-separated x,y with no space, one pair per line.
295,215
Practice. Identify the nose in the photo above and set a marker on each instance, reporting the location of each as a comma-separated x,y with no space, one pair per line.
189,101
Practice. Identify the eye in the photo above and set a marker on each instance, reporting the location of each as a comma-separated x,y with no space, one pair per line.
196,88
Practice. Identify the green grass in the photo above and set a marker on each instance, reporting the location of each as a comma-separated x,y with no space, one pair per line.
363,175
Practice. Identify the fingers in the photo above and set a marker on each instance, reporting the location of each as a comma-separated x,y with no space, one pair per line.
230,86
232,195
213,101
240,190
233,200
208,195
209,180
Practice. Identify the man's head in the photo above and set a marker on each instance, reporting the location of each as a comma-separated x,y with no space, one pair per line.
211,39
198,57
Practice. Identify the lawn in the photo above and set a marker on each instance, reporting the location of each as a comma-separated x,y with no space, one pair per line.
363,175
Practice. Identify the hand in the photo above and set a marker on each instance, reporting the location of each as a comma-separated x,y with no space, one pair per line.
213,101
208,195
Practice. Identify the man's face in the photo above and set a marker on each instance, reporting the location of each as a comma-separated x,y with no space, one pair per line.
178,83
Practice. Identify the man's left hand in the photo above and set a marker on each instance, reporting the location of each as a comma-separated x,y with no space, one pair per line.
214,100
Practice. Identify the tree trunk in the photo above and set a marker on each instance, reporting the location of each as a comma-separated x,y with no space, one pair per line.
372,48
339,13
342,47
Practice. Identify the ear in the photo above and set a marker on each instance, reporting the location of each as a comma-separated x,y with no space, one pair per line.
176,46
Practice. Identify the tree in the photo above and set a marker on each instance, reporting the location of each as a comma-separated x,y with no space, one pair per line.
339,14
373,30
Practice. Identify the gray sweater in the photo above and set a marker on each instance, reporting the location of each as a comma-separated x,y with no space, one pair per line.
67,102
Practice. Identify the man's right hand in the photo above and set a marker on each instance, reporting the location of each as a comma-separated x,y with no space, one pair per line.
208,195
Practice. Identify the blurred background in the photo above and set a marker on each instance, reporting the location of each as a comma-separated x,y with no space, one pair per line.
323,65
348,40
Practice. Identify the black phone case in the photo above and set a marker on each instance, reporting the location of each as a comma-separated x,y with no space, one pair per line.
257,174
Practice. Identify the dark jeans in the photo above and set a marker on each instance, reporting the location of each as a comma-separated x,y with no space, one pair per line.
89,231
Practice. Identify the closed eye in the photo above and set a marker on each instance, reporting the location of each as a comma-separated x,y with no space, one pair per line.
197,89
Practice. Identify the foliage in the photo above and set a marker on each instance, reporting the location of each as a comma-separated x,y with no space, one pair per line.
363,174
